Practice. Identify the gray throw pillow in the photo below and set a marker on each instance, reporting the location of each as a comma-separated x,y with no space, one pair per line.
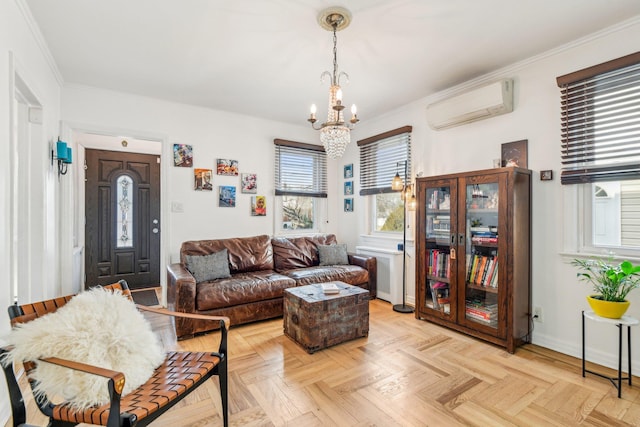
209,267
333,254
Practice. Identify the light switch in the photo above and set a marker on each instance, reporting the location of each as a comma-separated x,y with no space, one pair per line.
177,207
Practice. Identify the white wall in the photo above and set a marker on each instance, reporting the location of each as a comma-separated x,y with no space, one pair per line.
473,146
213,135
20,53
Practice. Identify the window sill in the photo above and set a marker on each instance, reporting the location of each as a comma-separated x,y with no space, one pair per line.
569,256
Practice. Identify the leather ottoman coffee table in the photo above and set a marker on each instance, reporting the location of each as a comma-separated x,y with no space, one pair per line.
316,320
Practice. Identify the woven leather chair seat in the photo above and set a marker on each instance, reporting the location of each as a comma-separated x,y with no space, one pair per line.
179,373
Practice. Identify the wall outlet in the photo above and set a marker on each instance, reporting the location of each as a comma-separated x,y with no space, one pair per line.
537,314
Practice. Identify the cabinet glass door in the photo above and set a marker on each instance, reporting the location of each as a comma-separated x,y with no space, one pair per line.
481,301
439,249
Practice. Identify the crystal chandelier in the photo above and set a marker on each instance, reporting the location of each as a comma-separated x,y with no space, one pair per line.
335,134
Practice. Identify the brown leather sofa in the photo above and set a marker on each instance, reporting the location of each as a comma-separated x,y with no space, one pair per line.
261,268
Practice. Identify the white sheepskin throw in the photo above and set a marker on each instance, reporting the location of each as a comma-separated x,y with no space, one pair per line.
97,327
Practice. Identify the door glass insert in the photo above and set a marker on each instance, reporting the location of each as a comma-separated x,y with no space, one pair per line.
438,249
123,211
481,279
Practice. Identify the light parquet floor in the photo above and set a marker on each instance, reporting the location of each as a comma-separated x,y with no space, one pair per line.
405,373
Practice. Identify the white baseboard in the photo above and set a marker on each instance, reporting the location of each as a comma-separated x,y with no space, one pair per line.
609,360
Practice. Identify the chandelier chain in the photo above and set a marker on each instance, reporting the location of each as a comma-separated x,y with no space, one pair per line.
335,55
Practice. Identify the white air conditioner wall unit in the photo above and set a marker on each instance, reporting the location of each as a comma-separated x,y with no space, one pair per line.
480,103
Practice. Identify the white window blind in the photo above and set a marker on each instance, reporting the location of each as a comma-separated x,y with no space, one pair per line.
300,169
381,156
601,122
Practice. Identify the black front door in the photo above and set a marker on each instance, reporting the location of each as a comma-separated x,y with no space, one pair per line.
122,231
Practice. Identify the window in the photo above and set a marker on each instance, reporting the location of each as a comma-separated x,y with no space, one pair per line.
381,157
124,206
301,180
601,152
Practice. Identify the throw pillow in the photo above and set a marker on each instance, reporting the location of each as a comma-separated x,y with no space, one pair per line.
209,267
333,254
98,327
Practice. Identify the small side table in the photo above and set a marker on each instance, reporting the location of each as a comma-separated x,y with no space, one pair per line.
627,321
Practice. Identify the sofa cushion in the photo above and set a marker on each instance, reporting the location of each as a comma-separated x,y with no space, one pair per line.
241,288
245,253
351,274
333,254
209,267
298,252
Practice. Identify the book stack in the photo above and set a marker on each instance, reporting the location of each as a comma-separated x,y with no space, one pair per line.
486,314
433,200
442,228
438,262
483,236
482,270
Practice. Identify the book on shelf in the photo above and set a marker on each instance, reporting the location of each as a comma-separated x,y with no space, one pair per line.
486,313
480,240
474,266
481,266
491,272
471,258
438,262
330,288
434,296
439,294
481,314
494,278
490,322
485,271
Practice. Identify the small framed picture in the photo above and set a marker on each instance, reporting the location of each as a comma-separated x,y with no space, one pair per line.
249,183
514,154
182,155
348,205
203,179
227,167
227,196
258,206
348,171
546,175
348,188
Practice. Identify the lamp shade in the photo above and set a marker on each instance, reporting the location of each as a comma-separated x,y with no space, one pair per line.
412,203
62,151
396,183
69,157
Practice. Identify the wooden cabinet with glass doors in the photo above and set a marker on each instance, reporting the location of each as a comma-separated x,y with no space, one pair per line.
473,253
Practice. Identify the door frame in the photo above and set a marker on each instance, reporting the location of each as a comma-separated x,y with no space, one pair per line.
109,138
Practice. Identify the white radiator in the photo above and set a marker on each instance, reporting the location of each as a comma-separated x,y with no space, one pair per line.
389,272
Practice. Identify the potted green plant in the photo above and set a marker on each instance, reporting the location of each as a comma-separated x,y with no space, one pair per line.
611,284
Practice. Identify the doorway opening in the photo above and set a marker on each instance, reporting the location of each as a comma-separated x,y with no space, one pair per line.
121,203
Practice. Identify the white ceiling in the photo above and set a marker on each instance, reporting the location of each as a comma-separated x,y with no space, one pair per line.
264,57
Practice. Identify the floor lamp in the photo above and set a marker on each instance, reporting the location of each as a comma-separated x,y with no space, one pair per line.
408,202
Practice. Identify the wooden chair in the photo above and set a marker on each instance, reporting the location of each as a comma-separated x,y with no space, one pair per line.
179,375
